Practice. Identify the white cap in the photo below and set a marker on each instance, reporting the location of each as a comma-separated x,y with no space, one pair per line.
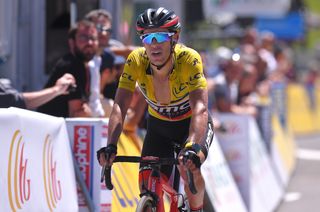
223,54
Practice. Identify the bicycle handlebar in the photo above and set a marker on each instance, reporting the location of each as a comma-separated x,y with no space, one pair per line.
137,159
106,171
192,187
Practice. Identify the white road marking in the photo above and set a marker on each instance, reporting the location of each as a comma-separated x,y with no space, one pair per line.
292,196
308,154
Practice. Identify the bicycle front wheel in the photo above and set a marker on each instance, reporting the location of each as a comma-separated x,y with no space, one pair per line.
146,204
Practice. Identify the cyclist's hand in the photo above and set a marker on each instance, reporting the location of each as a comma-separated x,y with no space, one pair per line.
190,156
190,161
106,155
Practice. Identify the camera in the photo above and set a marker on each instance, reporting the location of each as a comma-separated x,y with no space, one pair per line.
71,88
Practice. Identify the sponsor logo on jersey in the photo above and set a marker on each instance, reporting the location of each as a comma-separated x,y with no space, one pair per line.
181,55
171,111
127,76
177,91
195,61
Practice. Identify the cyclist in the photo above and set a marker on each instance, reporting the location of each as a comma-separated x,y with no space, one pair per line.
170,76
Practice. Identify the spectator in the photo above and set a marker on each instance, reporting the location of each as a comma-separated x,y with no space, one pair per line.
250,37
247,88
266,51
9,97
310,85
110,87
247,83
110,71
108,48
94,97
83,40
222,57
226,84
103,21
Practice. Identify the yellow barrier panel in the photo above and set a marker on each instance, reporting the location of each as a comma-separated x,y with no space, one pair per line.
317,112
284,142
125,194
300,117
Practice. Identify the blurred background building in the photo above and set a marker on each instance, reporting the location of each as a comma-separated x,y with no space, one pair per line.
33,33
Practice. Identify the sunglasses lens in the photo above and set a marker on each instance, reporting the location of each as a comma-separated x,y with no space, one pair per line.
101,28
160,37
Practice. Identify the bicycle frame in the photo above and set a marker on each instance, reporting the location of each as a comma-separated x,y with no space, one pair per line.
157,185
173,196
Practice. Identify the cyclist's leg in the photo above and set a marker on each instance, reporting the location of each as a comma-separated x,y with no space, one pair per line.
155,144
196,200
160,138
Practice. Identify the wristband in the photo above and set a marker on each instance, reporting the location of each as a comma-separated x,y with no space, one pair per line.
193,146
196,148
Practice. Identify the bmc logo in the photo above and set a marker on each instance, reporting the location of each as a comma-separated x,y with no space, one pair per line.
18,185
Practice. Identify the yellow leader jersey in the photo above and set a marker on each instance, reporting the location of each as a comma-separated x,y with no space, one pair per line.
186,76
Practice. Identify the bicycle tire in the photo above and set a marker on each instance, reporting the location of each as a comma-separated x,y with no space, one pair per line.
146,204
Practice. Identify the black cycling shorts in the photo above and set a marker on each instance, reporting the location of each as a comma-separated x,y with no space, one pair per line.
163,136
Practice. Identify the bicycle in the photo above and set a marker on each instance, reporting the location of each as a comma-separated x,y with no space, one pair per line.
152,198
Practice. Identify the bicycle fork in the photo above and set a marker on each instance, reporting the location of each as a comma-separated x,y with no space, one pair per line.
155,187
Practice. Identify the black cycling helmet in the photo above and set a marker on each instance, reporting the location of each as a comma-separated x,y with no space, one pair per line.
158,18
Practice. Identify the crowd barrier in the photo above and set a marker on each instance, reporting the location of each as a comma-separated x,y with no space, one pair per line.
249,162
220,185
87,135
36,163
239,172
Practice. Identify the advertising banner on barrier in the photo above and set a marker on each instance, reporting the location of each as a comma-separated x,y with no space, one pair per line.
36,163
220,186
249,162
87,135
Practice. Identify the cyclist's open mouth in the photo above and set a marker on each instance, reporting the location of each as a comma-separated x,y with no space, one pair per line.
156,53
156,56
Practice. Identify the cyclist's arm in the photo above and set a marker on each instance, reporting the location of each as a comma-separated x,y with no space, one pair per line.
137,108
119,110
199,119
